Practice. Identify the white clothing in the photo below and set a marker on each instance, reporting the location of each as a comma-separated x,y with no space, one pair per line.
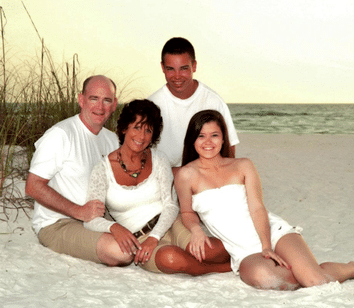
65,155
176,114
225,213
133,206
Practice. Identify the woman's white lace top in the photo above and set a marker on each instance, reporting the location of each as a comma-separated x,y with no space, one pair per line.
133,206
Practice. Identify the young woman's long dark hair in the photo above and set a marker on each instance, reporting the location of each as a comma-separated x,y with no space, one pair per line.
195,126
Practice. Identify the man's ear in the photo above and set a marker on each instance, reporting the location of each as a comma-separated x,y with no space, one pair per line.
81,99
115,104
194,66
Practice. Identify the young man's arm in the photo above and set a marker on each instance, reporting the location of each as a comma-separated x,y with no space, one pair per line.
233,151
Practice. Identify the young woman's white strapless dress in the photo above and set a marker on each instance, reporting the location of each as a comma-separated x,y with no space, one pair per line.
225,213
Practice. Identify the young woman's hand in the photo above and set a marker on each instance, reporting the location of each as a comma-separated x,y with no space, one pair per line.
147,247
270,254
197,244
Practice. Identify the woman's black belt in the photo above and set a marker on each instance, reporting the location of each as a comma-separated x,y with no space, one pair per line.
148,227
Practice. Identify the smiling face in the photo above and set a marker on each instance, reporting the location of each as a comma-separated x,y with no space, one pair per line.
209,141
178,70
97,103
138,135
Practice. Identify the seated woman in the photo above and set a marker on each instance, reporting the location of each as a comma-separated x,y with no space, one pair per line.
226,193
135,183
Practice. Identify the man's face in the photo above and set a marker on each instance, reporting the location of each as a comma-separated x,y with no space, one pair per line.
178,70
97,103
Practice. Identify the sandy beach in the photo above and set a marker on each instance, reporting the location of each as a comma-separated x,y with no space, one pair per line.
307,180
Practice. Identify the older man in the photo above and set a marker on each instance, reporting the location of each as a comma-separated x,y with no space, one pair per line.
59,175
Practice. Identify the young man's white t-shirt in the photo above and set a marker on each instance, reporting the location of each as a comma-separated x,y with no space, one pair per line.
177,113
65,155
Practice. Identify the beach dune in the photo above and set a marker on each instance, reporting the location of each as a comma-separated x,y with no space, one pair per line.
307,180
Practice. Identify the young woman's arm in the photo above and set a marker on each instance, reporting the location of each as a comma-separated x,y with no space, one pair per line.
190,219
258,211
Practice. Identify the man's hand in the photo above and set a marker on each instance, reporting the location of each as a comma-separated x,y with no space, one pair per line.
91,210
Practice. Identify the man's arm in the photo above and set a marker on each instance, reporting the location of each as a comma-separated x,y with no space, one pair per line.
38,188
233,151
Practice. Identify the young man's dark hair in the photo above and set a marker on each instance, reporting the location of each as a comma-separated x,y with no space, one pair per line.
178,46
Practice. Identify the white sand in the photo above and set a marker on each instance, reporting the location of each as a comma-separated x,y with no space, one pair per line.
308,180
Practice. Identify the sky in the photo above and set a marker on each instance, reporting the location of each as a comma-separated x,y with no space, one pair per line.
259,51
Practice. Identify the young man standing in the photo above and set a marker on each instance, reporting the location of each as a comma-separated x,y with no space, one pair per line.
182,97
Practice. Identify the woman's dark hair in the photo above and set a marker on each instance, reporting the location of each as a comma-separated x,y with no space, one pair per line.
195,126
150,115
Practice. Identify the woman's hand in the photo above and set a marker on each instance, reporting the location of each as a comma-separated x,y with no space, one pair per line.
125,239
197,243
147,247
270,254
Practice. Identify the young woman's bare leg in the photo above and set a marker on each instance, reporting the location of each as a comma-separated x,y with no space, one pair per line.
262,273
339,271
294,250
176,258
172,259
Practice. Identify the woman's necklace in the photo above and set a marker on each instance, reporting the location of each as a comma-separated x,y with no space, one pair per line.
132,173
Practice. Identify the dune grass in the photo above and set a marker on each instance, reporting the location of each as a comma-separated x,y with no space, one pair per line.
34,95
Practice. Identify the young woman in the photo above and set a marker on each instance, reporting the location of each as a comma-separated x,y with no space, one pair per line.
226,194
134,182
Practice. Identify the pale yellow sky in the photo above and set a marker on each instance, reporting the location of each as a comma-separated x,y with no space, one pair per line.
255,51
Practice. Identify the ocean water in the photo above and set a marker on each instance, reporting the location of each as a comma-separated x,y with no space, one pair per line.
293,118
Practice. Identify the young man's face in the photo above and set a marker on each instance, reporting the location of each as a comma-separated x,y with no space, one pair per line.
178,70
97,103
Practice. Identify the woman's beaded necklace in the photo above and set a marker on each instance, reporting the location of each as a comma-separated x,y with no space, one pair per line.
132,173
